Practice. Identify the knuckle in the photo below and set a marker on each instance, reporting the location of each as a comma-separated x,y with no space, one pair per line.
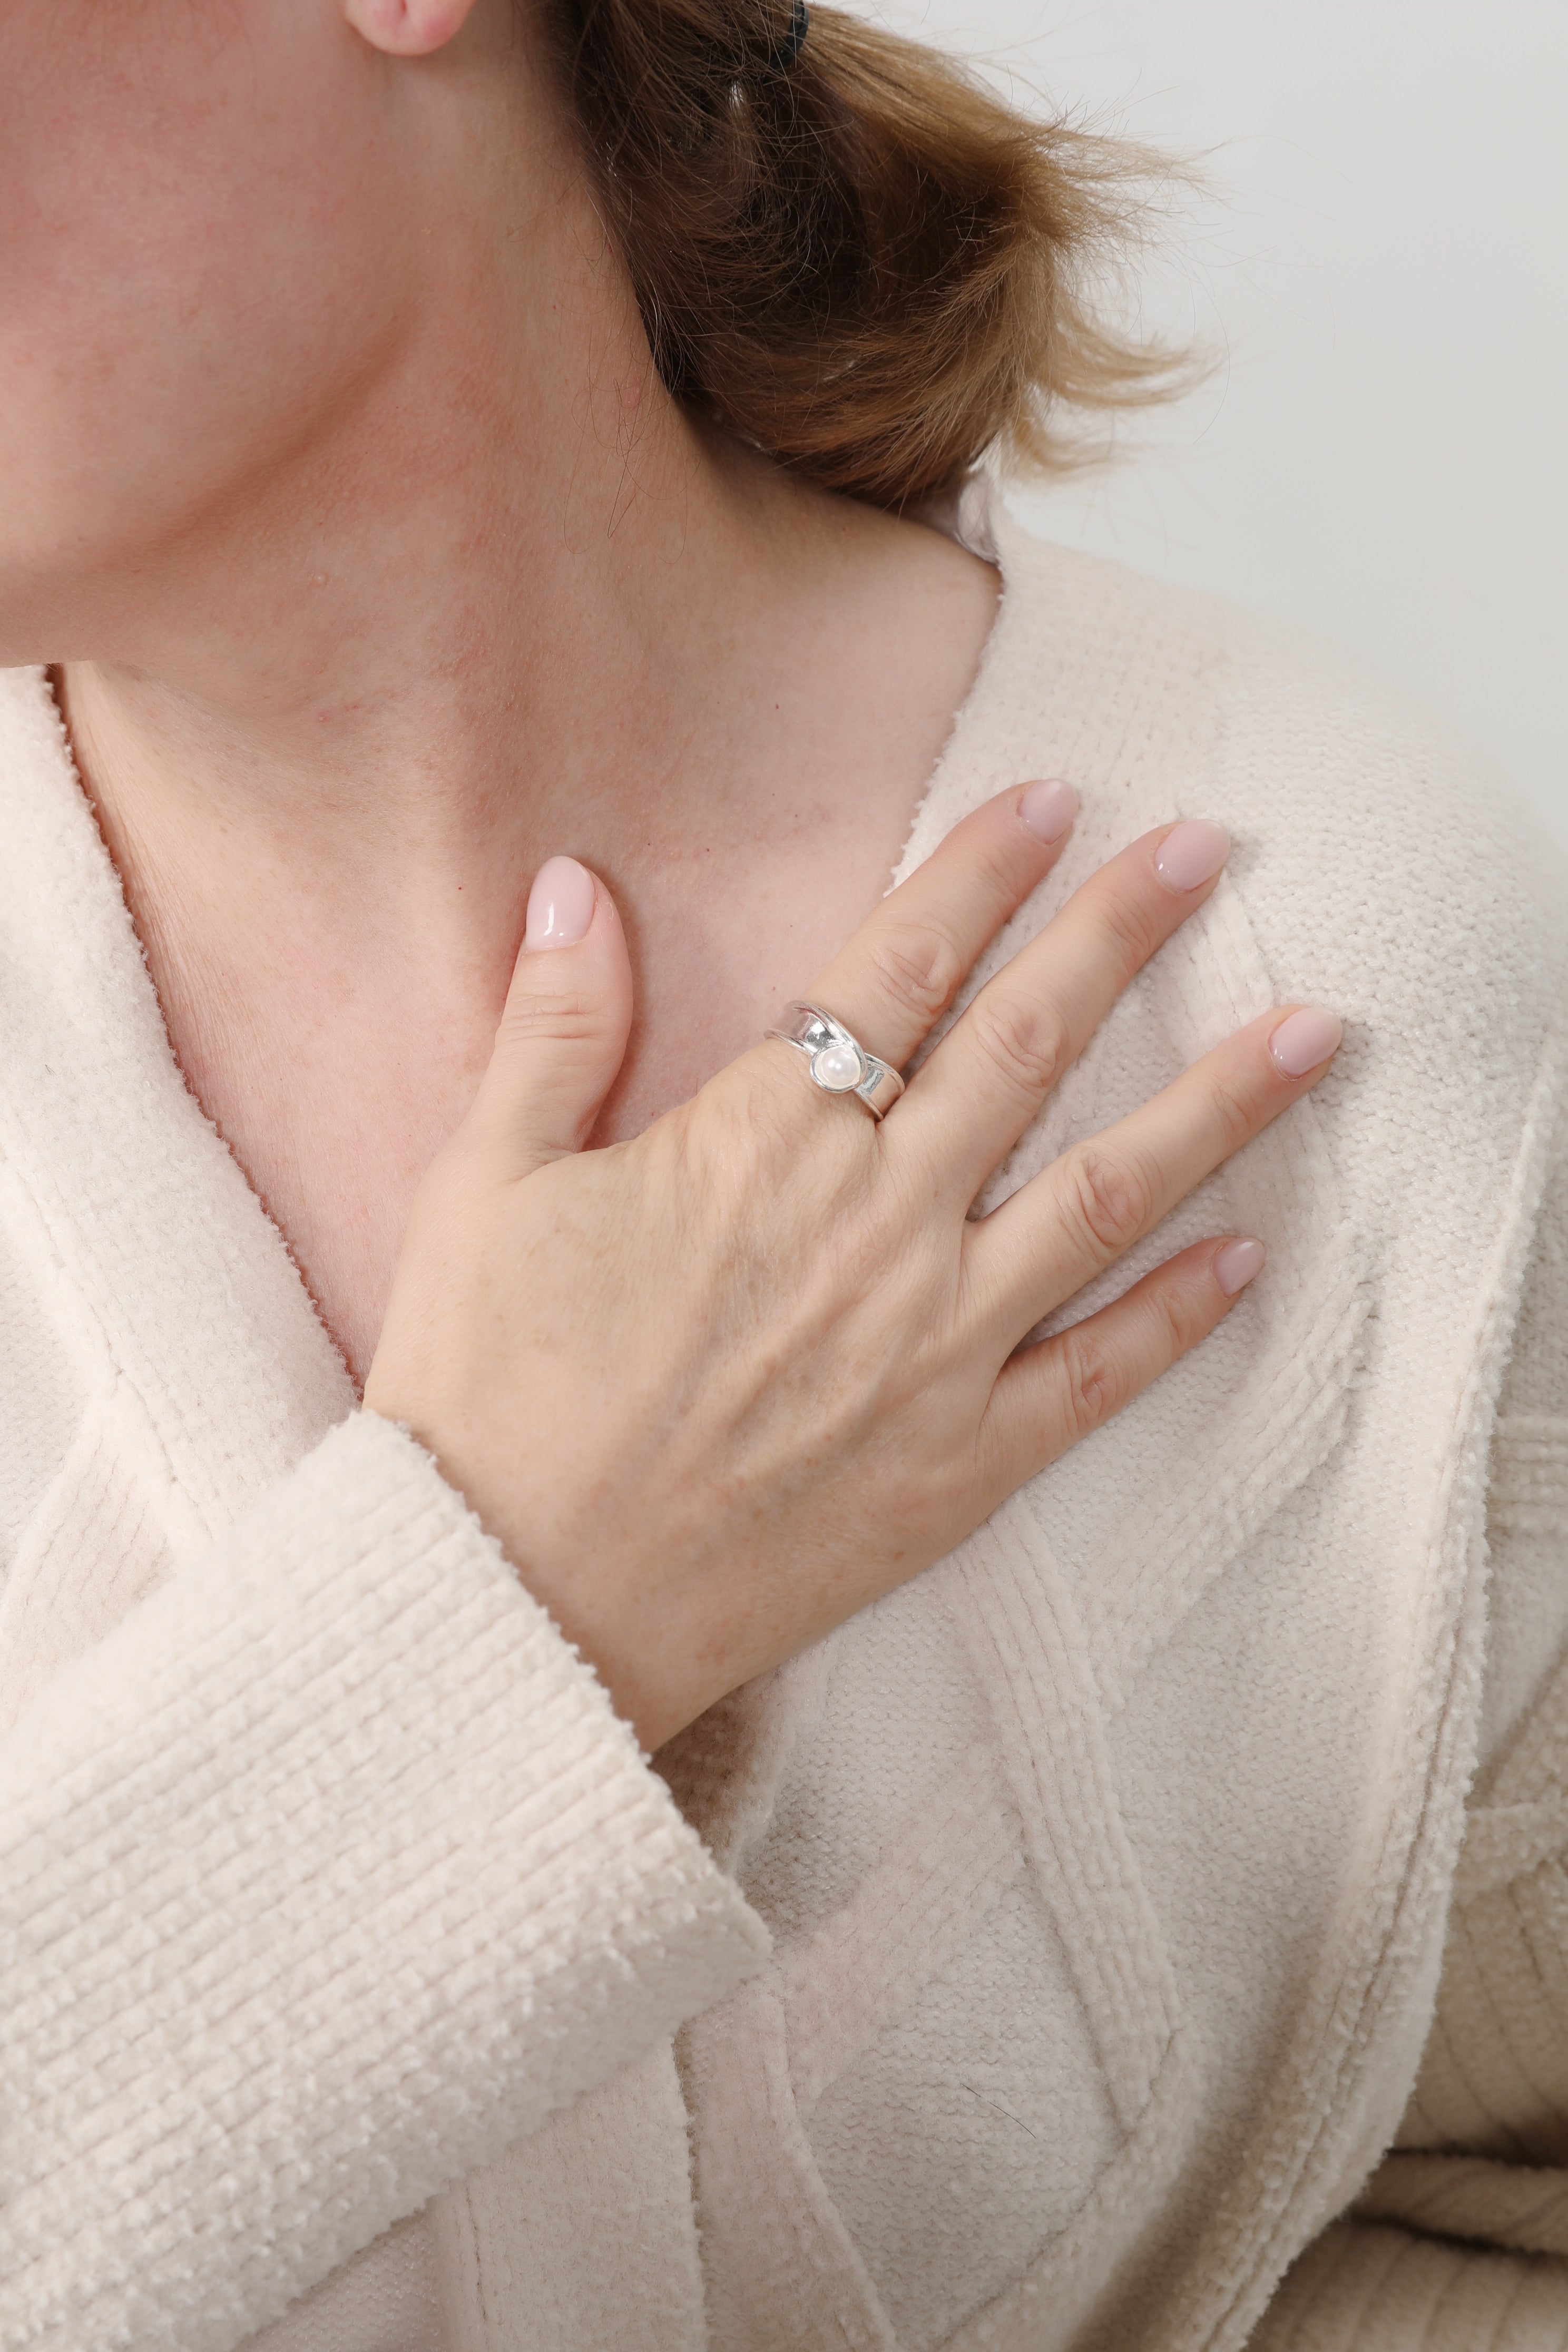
1027,1044
1130,926
1177,1319
1234,1112
1088,1383
744,1131
566,1016
919,965
1110,1198
754,1118
757,1097
1003,867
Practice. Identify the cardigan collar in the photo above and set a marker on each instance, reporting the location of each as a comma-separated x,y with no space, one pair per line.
174,1289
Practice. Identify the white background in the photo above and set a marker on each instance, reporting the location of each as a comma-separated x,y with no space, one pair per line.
1379,261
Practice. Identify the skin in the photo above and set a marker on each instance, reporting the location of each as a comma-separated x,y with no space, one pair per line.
373,567
379,568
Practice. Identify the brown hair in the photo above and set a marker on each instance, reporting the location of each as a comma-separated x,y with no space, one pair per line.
858,258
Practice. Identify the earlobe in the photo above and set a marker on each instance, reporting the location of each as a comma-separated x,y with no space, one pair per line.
407,29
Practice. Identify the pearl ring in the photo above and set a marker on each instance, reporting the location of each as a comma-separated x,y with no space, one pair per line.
836,1062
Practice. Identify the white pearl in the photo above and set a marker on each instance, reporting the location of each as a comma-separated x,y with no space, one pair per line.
837,1067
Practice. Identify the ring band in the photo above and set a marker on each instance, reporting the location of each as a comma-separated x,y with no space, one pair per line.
838,1063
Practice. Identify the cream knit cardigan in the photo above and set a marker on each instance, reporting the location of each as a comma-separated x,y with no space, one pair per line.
1045,1960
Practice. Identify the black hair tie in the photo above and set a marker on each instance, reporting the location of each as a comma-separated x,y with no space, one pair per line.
794,41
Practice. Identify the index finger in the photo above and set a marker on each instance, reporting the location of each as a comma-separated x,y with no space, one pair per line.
908,960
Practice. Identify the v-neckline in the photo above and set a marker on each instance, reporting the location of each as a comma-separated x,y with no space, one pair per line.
191,1281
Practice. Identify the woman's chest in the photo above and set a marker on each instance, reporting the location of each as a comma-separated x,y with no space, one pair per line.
335,1082
335,1113
333,1144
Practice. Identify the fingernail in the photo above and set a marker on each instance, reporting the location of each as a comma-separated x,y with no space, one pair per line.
1191,854
560,905
1304,1039
1235,1266
1049,809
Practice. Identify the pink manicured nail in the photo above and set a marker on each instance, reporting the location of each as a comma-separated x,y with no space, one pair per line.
1191,854
560,905
1049,809
1235,1266
1304,1039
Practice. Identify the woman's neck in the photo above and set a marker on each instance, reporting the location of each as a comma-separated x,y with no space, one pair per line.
484,592
461,635
327,841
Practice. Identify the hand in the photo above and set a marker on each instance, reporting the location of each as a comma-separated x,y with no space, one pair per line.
716,1389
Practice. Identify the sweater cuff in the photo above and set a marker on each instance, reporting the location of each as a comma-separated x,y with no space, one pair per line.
327,1876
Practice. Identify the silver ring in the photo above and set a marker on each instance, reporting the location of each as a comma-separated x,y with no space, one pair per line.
838,1062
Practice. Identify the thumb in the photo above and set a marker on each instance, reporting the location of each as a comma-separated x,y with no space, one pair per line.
563,1034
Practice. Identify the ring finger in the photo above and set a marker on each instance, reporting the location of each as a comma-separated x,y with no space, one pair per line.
970,1103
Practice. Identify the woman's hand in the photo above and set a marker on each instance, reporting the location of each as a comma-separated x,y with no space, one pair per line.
717,1389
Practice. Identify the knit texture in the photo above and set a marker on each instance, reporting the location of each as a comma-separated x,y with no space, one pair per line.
1114,1871
1364,2289
326,1875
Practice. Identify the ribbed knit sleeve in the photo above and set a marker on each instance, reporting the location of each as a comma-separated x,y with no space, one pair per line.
323,1879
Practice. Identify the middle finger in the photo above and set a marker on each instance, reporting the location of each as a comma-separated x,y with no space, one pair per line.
972,1100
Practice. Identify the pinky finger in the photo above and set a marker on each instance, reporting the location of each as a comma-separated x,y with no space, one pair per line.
1050,1395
